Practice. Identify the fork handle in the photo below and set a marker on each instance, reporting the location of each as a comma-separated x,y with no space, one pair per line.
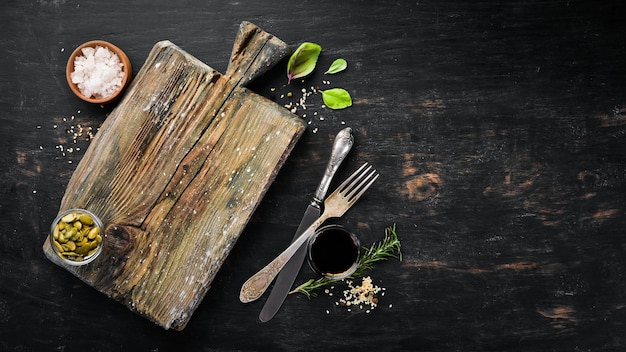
341,147
256,285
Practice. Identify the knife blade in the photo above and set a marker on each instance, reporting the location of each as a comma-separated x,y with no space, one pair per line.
341,146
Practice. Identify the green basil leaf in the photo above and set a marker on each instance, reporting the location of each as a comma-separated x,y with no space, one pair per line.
336,98
337,66
303,60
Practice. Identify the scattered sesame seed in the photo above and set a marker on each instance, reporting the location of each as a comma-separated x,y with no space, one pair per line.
76,133
295,104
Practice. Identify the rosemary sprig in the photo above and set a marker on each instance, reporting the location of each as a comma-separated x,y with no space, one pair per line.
389,247
308,288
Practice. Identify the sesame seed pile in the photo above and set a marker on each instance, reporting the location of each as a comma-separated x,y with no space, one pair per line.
365,296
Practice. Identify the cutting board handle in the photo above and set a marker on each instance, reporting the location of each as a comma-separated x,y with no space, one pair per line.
254,52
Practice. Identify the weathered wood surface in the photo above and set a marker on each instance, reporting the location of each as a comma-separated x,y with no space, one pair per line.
175,173
499,129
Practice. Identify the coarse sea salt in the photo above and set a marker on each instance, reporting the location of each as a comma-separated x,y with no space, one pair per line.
98,72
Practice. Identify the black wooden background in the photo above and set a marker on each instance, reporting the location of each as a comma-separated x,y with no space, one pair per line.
498,128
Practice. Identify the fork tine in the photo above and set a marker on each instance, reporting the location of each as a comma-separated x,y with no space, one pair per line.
346,184
358,190
355,184
361,179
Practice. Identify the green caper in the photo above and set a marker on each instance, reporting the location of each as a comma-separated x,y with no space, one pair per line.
59,246
93,233
70,233
69,218
82,242
71,246
83,250
85,219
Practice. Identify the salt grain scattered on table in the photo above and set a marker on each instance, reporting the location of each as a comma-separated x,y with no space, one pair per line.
98,72
362,296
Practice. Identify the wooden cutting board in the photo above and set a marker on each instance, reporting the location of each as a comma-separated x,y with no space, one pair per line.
175,173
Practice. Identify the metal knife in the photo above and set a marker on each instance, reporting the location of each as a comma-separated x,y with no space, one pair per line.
341,146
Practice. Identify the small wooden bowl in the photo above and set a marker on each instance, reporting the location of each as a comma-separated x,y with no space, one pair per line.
127,69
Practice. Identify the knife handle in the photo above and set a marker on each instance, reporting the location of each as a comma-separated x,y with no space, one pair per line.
341,147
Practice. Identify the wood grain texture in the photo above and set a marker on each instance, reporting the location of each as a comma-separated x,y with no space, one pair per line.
498,128
175,174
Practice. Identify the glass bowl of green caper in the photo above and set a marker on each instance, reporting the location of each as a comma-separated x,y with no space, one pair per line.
76,236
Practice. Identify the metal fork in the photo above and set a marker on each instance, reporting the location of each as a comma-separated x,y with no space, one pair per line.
335,206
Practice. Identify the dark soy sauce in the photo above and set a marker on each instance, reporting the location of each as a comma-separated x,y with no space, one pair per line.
334,251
